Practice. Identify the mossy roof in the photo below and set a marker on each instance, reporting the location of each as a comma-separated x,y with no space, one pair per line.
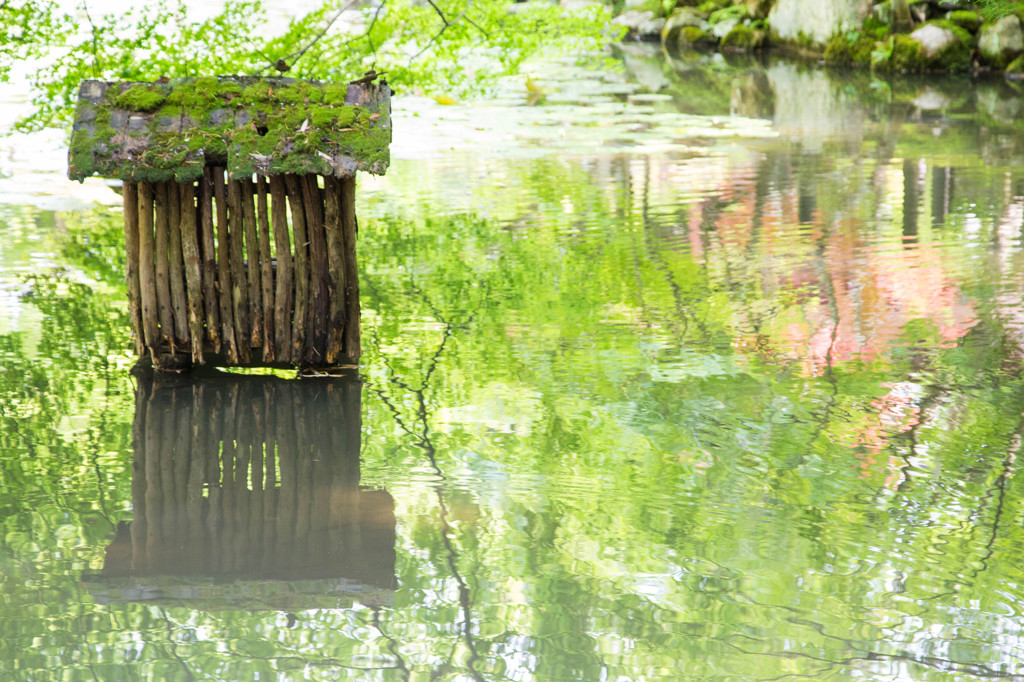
159,131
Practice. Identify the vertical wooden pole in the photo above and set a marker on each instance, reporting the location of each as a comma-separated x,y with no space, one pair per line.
283,290
239,285
162,266
252,250
179,303
209,267
319,282
147,275
333,229
299,325
130,195
224,283
266,270
353,343
193,269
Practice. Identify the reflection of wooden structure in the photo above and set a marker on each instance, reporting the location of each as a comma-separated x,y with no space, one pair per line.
252,478
239,212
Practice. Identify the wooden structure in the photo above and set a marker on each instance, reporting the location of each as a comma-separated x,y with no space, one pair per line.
242,478
239,212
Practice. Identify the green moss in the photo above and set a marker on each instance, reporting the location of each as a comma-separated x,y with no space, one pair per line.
1016,67
740,38
726,13
692,36
965,19
289,130
875,29
335,94
907,54
140,97
339,117
850,48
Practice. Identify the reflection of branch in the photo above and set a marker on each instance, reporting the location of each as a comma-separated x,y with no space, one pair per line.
392,644
423,441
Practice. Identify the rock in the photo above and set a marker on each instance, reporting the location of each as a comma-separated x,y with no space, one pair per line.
817,21
641,24
1002,41
758,9
722,28
743,38
933,39
692,36
965,19
681,18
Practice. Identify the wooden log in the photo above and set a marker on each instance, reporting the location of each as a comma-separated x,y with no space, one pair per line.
333,230
162,267
130,196
224,282
147,274
353,343
179,301
193,269
239,283
247,193
266,269
283,288
209,268
301,255
319,278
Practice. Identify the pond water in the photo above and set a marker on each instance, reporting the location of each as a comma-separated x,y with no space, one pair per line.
704,369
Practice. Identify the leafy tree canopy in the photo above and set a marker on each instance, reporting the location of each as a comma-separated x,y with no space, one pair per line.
450,46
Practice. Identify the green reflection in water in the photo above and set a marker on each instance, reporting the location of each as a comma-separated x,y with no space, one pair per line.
748,409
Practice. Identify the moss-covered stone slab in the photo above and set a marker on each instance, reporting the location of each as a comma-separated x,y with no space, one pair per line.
163,131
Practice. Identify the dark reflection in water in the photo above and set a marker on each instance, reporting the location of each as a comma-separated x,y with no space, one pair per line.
250,478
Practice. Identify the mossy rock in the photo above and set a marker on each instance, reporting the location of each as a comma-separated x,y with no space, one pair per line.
965,19
907,54
845,49
875,28
710,6
727,13
692,36
743,39
1015,69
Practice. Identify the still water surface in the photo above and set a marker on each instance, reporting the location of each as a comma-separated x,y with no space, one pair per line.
702,371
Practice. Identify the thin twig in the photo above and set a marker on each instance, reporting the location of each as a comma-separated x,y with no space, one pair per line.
369,29
95,45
